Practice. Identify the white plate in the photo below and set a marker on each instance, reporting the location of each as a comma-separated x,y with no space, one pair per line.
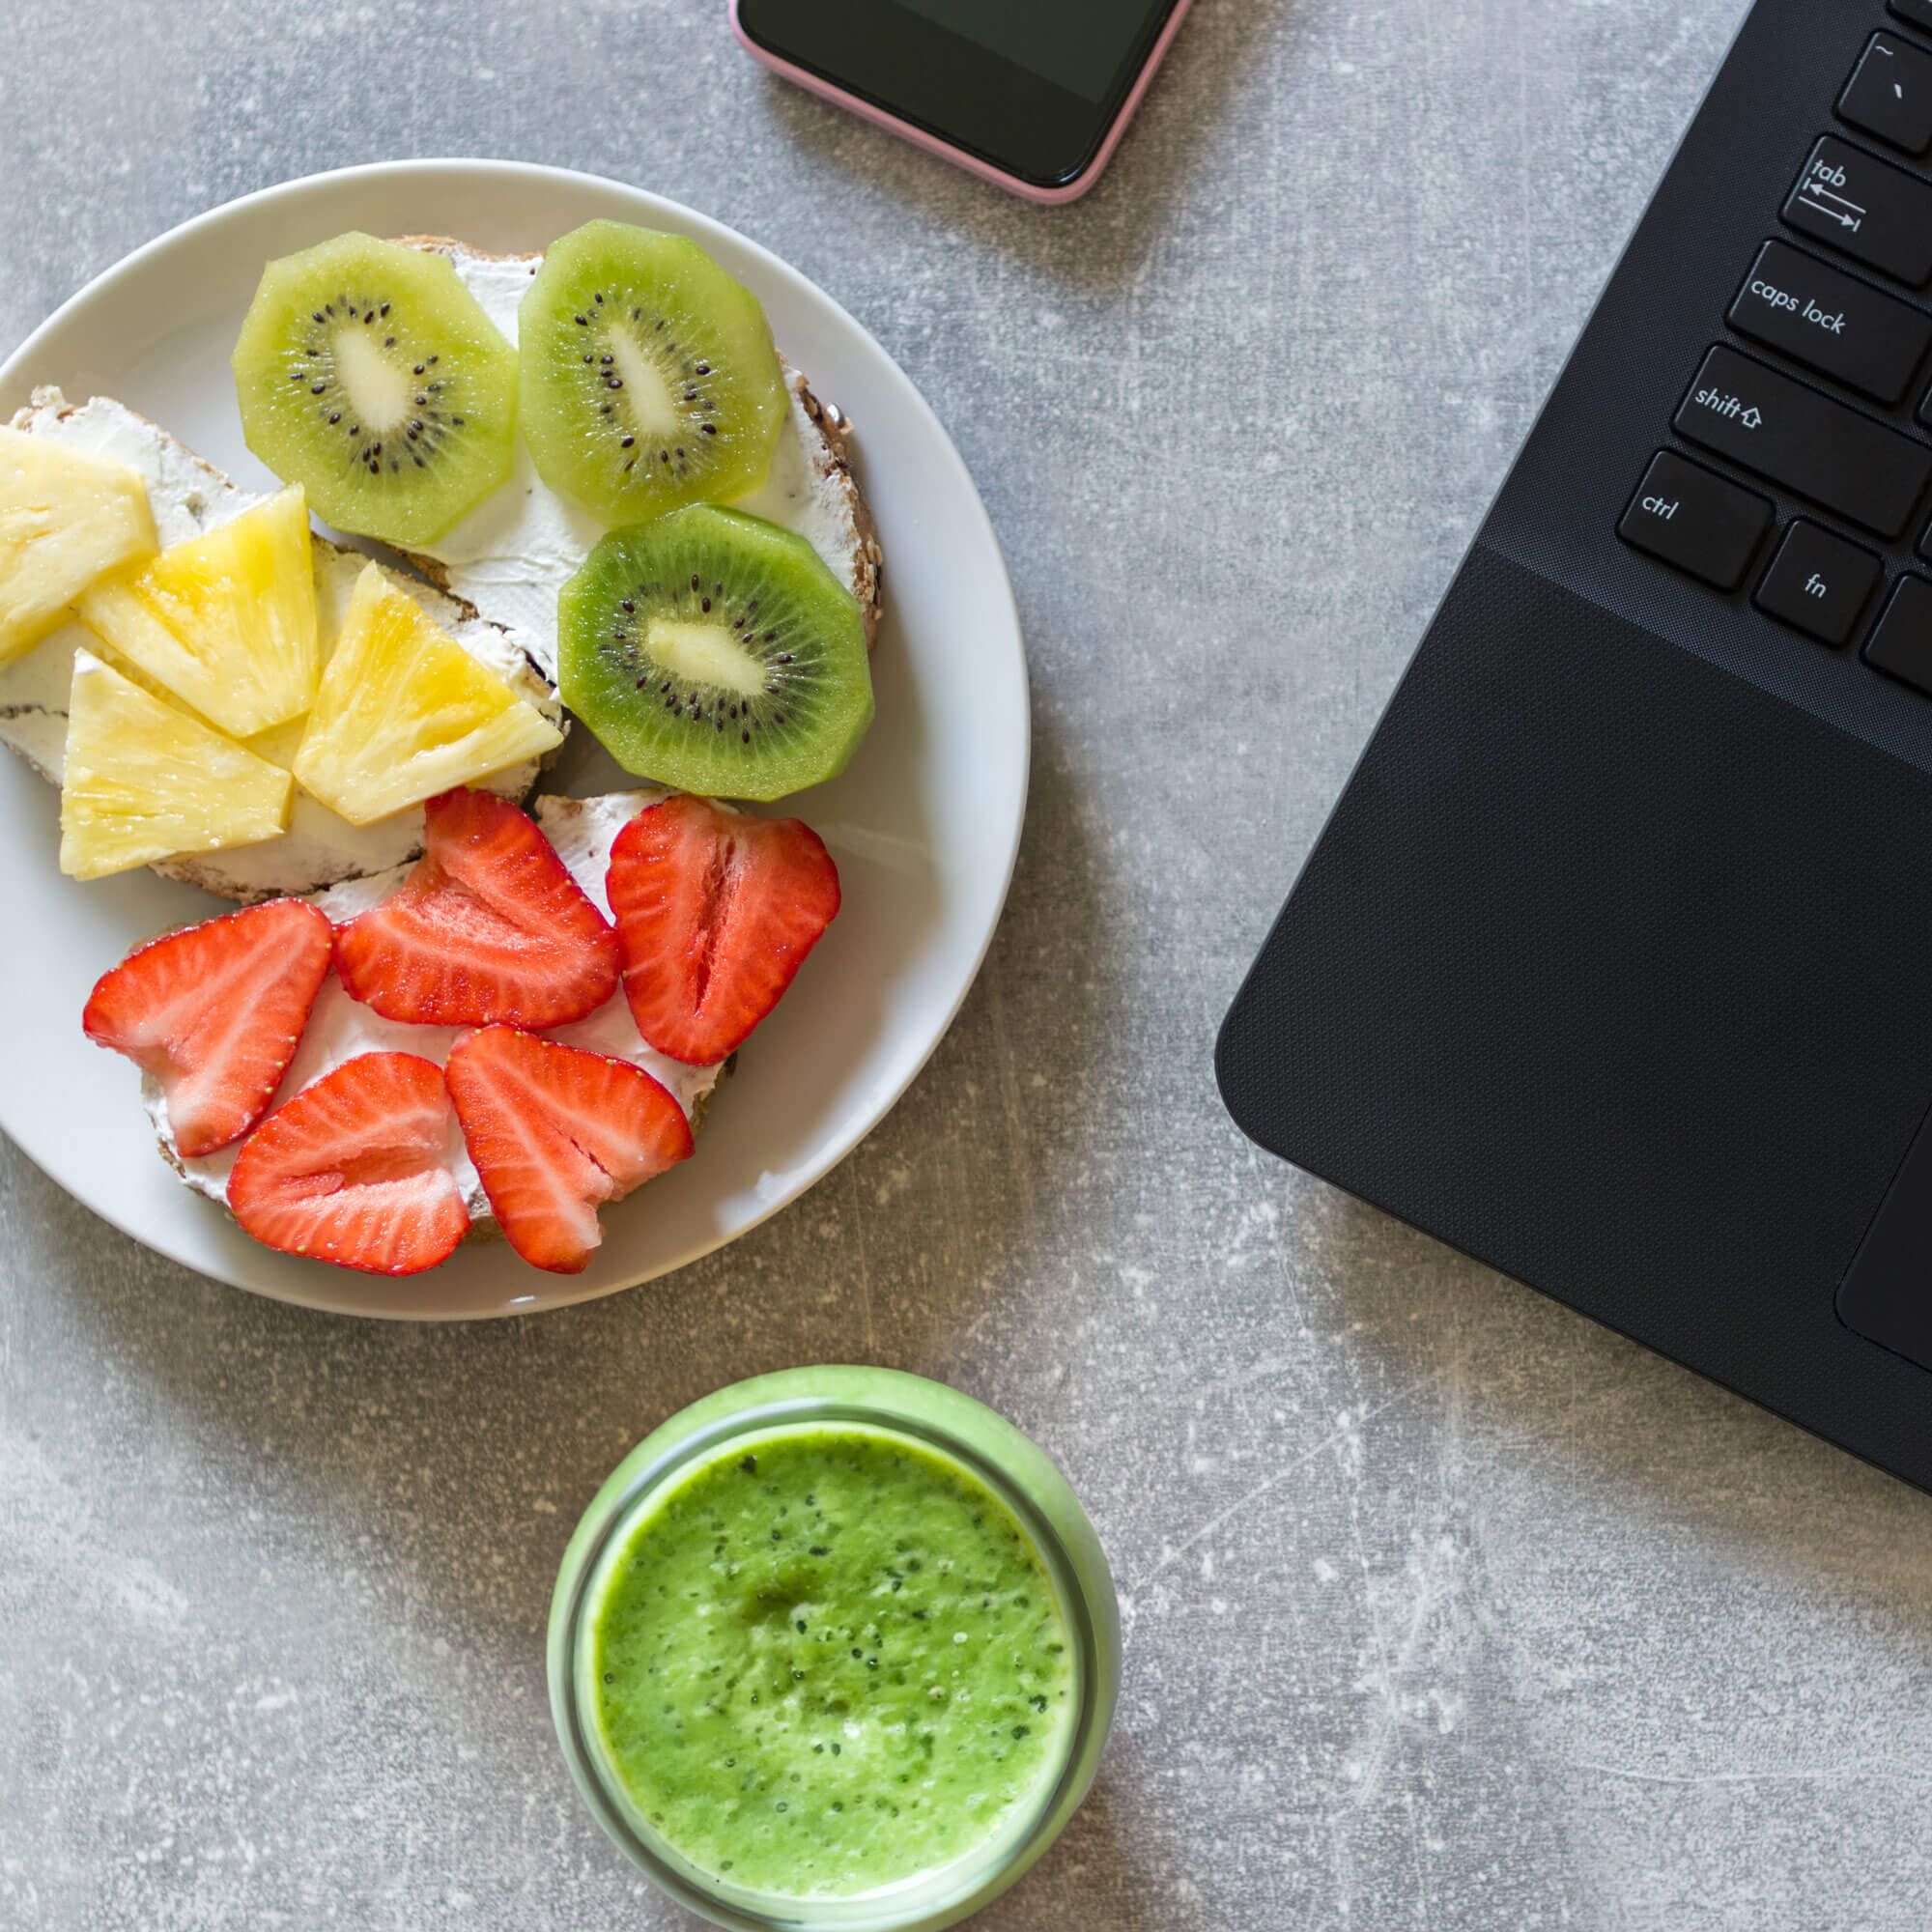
925,825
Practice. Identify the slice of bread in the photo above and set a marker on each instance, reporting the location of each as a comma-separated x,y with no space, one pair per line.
581,830
188,496
511,554
492,584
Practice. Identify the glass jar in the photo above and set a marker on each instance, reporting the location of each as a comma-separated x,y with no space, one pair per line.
935,1420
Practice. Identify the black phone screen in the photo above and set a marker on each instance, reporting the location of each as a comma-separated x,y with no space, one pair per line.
1031,86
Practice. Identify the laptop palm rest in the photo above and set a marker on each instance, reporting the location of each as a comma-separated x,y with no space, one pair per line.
1887,1292
1610,969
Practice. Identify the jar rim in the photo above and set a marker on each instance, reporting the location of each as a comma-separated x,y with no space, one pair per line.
933,1897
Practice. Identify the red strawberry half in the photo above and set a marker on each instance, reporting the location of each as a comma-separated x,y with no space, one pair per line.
353,1169
488,926
554,1132
715,912
215,1013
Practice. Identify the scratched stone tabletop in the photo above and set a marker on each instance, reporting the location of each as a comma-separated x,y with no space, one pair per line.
1444,1609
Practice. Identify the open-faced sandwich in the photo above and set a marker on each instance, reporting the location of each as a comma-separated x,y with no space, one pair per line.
607,500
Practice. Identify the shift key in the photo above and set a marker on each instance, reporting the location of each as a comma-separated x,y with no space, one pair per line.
1815,448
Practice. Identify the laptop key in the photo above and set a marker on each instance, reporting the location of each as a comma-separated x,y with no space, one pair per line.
1891,94
1917,11
1819,584
1811,444
1901,646
1867,209
1832,321
1694,519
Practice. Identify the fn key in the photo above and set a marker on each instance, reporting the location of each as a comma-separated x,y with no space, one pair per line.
1695,519
1819,584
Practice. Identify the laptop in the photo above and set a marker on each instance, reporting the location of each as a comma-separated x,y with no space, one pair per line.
1612,966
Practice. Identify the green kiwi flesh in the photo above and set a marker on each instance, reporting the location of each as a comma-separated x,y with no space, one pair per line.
715,652
370,375
649,378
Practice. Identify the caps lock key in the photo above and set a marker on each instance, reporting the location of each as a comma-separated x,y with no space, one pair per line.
1813,445
1831,320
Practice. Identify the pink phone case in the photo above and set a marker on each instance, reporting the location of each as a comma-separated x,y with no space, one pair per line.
1068,191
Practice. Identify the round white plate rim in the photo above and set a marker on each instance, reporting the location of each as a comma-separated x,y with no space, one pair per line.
564,1291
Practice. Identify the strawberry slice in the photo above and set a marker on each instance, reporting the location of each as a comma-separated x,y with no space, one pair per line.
354,1170
715,912
215,1013
488,926
555,1131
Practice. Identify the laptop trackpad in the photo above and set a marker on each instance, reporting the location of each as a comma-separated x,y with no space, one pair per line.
1887,1292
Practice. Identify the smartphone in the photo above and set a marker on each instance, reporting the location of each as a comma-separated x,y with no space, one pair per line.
1032,94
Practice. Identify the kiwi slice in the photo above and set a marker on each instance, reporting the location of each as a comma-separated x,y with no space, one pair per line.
648,374
371,375
715,652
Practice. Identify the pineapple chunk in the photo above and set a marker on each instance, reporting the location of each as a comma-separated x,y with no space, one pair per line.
280,746
226,621
405,712
65,517
145,781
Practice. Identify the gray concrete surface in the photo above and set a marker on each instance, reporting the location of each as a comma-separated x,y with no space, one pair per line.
1445,1609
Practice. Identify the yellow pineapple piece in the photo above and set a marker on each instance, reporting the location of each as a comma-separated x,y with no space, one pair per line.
134,674
225,621
280,746
65,517
405,712
143,781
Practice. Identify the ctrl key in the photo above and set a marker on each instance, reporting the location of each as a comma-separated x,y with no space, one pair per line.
1697,520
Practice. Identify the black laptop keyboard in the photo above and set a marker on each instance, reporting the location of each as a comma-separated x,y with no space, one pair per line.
1859,325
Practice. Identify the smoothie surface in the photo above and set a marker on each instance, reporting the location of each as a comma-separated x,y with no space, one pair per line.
828,1659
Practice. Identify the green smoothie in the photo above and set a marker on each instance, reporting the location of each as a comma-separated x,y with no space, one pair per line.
828,1659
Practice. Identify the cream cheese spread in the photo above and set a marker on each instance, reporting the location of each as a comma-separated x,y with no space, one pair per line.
513,553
